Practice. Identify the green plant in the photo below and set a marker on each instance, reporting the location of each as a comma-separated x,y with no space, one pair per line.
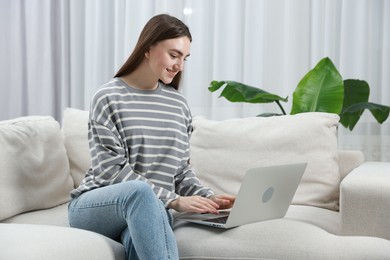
322,89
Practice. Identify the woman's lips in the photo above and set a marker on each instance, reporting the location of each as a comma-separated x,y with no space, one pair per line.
172,73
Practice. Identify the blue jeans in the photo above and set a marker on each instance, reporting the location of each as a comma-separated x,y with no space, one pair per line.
128,212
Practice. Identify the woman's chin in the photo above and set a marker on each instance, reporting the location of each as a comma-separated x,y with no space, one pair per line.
167,81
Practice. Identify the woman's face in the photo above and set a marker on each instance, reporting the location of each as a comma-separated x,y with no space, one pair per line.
167,57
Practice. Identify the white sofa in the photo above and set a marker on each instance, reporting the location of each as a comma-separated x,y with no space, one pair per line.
340,210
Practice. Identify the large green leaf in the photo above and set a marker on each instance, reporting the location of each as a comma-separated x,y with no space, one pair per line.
351,115
321,89
356,95
239,92
355,91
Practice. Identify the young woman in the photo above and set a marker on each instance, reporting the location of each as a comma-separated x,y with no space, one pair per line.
139,130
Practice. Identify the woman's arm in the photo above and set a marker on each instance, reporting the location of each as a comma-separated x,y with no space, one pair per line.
188,185
110,164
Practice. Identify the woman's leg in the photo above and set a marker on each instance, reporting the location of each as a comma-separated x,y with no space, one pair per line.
128,211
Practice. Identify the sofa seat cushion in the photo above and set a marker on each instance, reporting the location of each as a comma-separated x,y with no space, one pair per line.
56,216
326,219
274,239
34,165
58,243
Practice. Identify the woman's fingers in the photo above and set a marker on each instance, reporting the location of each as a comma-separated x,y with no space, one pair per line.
224,201
195,204
203,205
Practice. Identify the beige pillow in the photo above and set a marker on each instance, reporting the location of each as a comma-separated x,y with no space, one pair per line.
222,151
349,160
75,131
34,168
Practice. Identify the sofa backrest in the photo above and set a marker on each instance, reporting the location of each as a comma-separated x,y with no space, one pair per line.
221,151
36,157
34,168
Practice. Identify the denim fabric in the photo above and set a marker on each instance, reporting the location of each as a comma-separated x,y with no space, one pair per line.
128,212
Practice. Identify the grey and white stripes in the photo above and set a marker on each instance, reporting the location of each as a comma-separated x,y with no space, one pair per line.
141,135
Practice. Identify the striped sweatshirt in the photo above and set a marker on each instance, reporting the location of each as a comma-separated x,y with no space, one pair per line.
141,135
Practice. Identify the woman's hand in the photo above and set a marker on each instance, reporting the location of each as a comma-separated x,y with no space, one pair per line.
195,204
224,201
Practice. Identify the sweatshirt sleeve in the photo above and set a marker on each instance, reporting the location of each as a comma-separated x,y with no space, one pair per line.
186,181
188,184
109,162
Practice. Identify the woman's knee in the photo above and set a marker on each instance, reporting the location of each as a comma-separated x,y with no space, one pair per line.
139,190
139,187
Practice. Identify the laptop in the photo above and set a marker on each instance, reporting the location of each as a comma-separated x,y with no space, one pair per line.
265,193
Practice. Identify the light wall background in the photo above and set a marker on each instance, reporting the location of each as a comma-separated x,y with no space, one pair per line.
56,53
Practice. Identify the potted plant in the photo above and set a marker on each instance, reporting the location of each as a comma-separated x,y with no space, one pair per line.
322,89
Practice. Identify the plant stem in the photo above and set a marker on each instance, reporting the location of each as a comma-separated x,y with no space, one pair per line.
280,106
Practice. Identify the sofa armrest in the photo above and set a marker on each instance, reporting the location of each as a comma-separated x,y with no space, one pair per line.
365,201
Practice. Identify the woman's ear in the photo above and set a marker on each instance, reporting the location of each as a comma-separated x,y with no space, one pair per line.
147,54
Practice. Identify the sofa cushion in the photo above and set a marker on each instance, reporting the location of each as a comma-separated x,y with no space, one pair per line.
328,220
34,166
56,216
75,131
40,242
349,160
275,239
222,151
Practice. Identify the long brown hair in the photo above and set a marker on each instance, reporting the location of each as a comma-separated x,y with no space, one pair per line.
158,28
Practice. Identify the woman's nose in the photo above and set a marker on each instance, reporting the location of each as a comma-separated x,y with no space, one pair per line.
178,66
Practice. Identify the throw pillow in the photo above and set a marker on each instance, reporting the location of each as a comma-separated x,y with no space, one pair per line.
222,151
34,167
75,131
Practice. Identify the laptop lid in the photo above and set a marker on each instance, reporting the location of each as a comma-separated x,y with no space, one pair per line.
265,193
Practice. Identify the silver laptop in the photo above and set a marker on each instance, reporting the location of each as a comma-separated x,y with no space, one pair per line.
265,193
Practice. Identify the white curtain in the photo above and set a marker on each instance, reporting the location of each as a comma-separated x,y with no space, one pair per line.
57,53
34,58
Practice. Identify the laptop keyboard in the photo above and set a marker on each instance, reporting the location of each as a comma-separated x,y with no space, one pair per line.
221,220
